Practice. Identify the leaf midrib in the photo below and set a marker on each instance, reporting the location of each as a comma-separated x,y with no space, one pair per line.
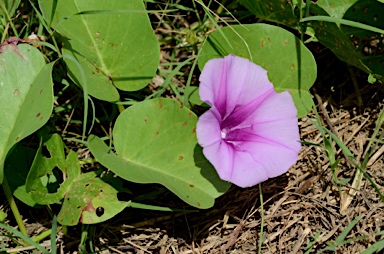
98,53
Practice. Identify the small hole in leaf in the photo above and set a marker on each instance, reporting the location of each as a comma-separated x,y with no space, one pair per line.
46,152
101,190
99,211
86,185
79,207
53,180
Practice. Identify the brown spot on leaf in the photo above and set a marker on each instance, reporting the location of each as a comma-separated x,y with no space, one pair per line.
292,66
41,118
16,92
41,90
181,106
97,70
157,133
285,43
194,130
181,158
198,204
185,124
17,138
191,185
38,114
145,120
189,114
262,43
160,106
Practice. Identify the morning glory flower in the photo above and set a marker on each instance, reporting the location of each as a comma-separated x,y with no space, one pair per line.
251,132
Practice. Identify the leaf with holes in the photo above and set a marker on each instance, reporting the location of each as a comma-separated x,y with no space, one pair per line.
91,200
52,174
155,142
289,63
26,95
112,40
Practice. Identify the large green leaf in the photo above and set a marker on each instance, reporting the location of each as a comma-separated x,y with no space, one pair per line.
112,40
155,142
289,63
26,95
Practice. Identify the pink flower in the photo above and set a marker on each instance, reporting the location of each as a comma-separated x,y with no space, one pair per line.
250,133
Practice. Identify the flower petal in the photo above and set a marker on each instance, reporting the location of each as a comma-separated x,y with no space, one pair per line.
234,166
284,133
231,82
277,106
275,159
208,128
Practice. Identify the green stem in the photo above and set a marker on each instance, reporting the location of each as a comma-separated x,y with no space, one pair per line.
120,107
42,235
15,210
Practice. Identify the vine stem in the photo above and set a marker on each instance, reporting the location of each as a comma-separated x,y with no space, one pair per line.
15,210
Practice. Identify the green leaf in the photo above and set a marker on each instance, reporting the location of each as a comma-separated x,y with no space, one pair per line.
336,8
155,142
289,63
51,176
359,20
91,200
113,41
26,95
277,11
368,12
